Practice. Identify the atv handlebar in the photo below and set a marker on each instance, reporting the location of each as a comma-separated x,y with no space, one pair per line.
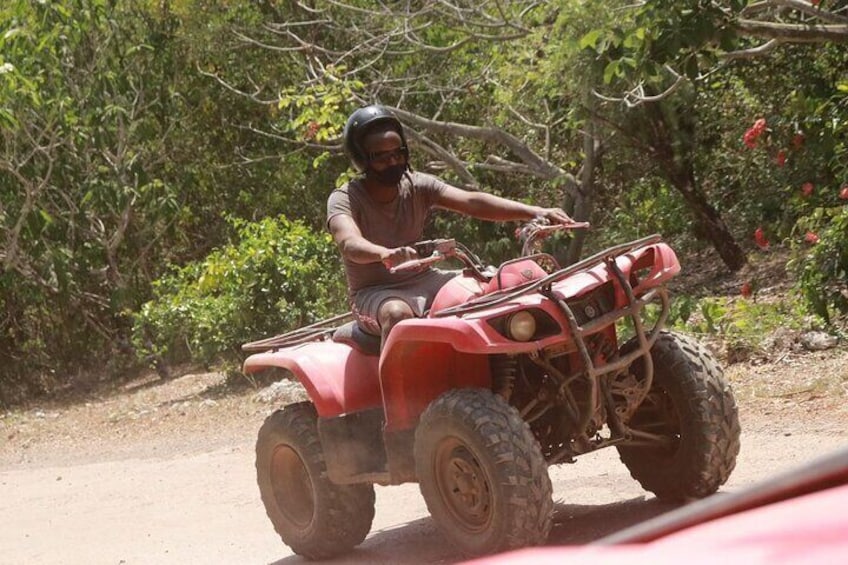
430,252
435,250
533,232
417,264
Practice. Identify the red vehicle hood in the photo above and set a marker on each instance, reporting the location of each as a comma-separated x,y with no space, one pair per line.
806,529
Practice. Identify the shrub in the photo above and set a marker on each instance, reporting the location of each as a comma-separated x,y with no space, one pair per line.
740,323
822,261
279,275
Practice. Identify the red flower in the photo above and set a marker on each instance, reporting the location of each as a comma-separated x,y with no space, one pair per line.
760,238
807,189
780,159
751,135
815,2
746,291
798,140
312,130
811,238
843,194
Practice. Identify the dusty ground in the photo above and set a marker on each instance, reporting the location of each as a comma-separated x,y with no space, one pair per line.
161,471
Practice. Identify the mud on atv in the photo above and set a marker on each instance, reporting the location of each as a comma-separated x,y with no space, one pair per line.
513,369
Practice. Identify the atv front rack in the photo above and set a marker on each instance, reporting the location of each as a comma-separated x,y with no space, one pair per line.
592,371
500,297
319,331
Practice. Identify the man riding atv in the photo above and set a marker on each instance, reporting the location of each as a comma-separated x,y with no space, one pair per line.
486,378
375,218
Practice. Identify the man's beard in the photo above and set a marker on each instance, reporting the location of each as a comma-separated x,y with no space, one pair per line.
390,176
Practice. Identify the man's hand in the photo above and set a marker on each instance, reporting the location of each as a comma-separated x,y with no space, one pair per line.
555,216
394,257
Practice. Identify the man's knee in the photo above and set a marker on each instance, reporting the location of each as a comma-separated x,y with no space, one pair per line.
393,311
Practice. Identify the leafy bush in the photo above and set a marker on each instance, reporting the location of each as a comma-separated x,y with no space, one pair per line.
823,270
280,275
741,323
648,206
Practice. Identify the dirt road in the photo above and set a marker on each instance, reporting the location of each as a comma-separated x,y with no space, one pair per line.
165,475
204,508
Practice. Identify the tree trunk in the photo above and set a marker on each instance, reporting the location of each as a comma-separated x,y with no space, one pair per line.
707,219
673,147
582,205
584,200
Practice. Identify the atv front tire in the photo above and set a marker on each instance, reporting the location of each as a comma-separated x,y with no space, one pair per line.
482,473
693,407
318,519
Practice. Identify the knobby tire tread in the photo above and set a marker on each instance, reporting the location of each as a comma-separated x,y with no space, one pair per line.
343,513
709,422
524,486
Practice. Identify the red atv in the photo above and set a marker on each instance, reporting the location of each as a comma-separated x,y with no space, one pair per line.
513,369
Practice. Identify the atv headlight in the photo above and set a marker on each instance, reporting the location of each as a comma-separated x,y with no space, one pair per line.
521,326
525,325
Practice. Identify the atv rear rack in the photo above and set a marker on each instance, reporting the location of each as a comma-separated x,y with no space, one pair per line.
319,331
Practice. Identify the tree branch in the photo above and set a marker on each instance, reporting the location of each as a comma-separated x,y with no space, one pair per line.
753,52
538,166
795,33
800,5
456,165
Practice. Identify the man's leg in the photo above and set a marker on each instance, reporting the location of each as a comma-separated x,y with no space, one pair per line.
391,312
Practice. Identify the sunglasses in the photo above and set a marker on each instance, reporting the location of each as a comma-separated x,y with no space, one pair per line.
384,157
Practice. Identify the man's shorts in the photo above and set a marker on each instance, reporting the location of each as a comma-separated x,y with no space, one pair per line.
418,292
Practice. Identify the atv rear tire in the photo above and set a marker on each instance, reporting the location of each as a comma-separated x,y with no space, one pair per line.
318,519
691,404
482,473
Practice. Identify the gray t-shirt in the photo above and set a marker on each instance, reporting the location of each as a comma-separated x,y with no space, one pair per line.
393,224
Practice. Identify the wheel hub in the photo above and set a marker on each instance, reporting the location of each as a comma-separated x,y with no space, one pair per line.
463,485
292,486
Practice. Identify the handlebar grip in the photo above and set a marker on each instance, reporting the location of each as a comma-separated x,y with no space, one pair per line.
416,264
559,227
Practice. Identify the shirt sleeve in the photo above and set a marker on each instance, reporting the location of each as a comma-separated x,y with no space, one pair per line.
431,187
338,203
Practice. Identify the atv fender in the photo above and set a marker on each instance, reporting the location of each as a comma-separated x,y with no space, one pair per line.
337,378
423,358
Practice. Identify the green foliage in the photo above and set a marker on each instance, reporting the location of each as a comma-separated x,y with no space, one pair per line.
741,323
744,322
278,276
318,113
822,261
121,153
649,206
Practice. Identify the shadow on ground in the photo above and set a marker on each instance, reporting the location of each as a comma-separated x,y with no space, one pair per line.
419,541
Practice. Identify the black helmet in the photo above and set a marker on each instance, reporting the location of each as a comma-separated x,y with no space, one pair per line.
358,125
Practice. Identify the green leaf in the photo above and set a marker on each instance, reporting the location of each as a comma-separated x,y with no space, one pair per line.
611,71
590,40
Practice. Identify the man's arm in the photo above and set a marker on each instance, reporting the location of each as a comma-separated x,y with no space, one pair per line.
487,206
354,247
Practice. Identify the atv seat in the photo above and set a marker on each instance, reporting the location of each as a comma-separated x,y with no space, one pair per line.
352,335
